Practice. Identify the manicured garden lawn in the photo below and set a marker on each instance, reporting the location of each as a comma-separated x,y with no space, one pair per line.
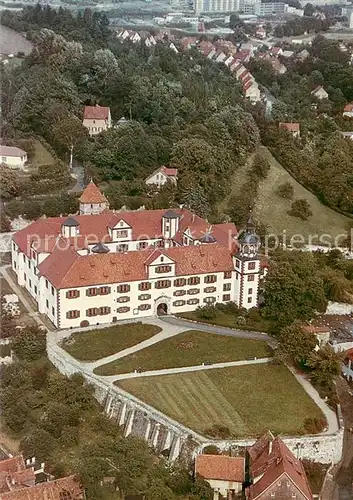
248,400
187,349
96,344
229,321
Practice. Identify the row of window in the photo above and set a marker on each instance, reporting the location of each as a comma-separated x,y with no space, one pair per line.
251,265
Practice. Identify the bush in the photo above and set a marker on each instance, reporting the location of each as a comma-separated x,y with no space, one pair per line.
229,308
211,450
314,425
206,312
285,190
30,343
301,209
69,436
260,167
240,321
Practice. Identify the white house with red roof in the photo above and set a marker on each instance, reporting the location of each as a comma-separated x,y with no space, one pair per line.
13,157
102,266
96,119
225,475
348,110
162,175
293,128
275,472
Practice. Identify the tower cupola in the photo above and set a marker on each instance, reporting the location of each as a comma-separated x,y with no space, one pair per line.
249,241
70,227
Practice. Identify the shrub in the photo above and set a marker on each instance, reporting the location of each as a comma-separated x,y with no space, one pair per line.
229,308
206,312
314,425
260,167
240,321
211,450
301,209
30,343
285,190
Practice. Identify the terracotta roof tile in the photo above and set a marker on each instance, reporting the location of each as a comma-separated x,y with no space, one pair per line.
12,464
170,171
96,113
292,127
348,107
11,151
65,488
220,467
92,195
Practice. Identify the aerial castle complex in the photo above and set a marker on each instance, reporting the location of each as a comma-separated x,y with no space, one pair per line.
102,266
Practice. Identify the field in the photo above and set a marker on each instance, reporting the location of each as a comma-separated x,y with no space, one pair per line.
96,344
187,349
248,400
271,210
229,320
41,155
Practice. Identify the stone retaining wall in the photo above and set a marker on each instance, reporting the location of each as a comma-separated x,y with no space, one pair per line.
169,436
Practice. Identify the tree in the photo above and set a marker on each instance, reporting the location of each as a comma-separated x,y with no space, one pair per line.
325,364
295,344
5,223
16,415
8,325
301,209
10,182
285,190
293,289
309,10
30,343
260,167
39,443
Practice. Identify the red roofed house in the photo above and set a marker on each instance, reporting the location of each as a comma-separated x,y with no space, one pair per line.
102,266
224,474
96,119
92,201
162,175
293,128
19,481
348,110
275,472
347,368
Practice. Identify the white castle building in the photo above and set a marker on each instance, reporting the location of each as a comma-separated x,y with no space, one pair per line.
103,266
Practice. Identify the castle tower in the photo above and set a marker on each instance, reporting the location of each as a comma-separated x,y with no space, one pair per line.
247,267
92,201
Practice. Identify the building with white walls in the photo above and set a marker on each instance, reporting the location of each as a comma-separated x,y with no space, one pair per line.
216,6
103,266
13,157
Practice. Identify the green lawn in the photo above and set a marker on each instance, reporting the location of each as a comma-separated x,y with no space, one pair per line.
229,321
248,400
99,343
41,155
187,349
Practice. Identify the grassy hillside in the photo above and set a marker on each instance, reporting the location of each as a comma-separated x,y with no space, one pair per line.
271,210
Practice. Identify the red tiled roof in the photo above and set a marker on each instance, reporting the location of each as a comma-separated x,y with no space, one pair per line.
11,151
271,462
348,107
92,194
170,171
96,113
316,329
65,268
69,488
220,467
292,127
12,464
247,85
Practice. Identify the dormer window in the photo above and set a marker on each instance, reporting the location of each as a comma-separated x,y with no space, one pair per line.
163,269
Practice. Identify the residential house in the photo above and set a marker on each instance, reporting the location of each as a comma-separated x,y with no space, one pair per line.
96,119
303,54
187,42
224,474
287,53
24,480
277,65
275,472
252,91
322,334
260,33
275,51
348,110
173,48
13,157
319,92
293,128
162,175
106,266
121,122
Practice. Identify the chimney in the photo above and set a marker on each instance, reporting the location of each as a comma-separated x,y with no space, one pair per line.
193,218
270,447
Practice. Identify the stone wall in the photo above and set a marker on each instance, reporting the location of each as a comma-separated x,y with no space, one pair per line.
172,438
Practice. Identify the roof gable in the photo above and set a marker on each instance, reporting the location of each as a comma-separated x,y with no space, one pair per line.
92,195
96,113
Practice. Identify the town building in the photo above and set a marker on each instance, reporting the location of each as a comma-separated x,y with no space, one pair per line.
216,6
347,367
102,267
319,92
13,157
162,175
293,128
275,472
96,119
23,480
348,110
225,475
